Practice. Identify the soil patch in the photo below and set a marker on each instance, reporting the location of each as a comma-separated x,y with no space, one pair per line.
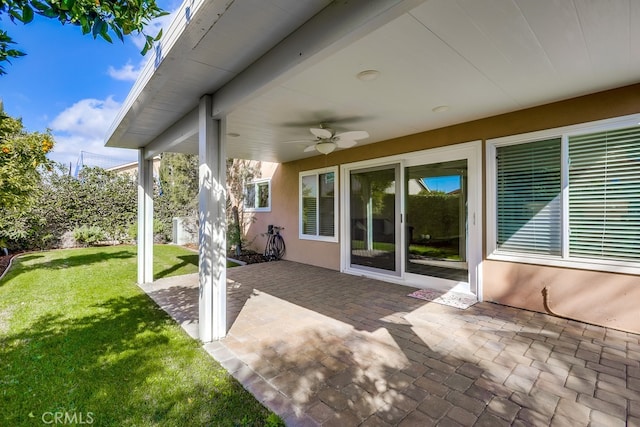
5,260
249,257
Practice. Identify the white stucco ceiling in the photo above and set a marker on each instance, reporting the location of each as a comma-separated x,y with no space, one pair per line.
478,57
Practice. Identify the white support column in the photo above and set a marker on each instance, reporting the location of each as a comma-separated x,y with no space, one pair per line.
212,230
145,218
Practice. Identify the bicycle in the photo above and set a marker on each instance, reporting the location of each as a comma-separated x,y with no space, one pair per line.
275,248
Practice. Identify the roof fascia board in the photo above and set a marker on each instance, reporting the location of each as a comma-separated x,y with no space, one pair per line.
335,27
188,12
177,133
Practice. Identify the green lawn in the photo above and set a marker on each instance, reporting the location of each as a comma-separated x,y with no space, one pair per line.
449,253
80,341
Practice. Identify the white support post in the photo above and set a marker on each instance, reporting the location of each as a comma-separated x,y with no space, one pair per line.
212,229
145,218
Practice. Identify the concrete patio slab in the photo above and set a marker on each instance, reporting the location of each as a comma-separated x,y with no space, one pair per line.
323,348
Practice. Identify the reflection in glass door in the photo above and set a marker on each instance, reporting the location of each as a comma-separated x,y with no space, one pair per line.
374,213
436,220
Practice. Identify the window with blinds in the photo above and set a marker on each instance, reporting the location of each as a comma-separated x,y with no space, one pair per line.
593,221
604,195
326,204
310,205
318,214
529,208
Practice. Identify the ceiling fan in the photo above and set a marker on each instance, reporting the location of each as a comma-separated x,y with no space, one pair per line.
326,139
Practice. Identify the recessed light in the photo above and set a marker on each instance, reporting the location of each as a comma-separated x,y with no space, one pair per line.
233,134
368,75
440,109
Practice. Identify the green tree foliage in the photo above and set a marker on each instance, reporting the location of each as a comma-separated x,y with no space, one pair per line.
99,198
239,173
179,180
22,156
178,192
95,17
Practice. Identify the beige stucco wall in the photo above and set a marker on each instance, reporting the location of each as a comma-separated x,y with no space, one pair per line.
600,298
595,297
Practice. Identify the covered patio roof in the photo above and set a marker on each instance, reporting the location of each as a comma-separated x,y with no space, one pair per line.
277,67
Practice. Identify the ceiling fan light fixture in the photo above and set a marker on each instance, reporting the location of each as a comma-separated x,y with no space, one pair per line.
325,147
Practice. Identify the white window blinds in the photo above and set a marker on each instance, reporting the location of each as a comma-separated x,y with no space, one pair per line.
310,204
604,195
326,205
318,205
529,202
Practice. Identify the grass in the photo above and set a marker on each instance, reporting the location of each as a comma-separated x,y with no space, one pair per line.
78,338
422,250
449,253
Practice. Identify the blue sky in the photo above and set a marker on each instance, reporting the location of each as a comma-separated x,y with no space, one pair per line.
71,84
446,184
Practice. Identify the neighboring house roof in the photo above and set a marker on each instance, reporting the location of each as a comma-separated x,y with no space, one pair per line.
132,167
277,67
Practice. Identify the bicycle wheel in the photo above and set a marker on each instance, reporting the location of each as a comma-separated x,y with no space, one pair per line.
279,246
268,249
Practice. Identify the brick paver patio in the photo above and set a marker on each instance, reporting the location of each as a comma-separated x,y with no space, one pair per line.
323,348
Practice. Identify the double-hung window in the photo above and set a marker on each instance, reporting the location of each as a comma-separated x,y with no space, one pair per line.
257,196
567,197
319,205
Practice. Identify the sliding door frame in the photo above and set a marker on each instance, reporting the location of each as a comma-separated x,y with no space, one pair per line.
472,152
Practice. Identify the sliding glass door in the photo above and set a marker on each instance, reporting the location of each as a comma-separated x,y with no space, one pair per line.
374,219
435,197
415,218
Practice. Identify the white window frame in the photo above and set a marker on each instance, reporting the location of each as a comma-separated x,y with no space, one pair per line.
256,195
565,260
317,237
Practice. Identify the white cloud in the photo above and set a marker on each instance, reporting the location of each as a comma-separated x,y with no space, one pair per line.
127,72
83,127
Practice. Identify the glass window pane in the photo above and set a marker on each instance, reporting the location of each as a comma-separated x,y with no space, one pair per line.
326,205
309,204
437,242
263,194
604,195
529,204
250,196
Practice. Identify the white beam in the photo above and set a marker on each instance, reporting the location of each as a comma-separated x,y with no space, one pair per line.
212,269
335,27
177,133
145,218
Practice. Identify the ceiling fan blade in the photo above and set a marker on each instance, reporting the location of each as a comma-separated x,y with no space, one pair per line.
353,135
310,148
321,133
345,143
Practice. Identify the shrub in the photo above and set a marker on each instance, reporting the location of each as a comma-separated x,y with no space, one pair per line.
88,236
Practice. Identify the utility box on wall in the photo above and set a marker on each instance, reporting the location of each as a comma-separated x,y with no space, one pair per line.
185,230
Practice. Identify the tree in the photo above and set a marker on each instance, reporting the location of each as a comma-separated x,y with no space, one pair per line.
179,181
98,199
98,17
22,155
177,194
239,173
